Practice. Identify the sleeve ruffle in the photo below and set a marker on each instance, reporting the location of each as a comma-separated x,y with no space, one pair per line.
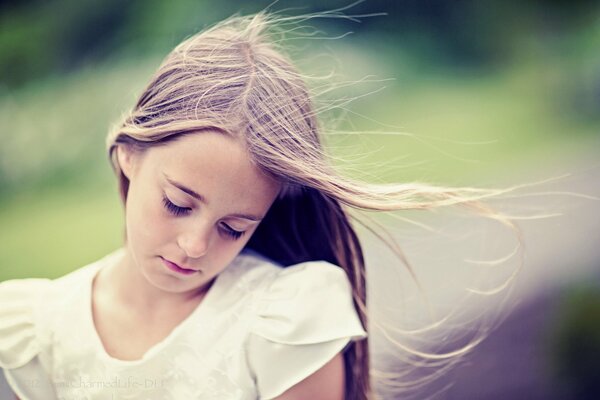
304,318
18,331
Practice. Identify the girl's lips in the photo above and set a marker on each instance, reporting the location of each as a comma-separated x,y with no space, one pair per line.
174,267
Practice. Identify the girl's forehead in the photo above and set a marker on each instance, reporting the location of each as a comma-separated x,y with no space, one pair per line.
214,165
205,147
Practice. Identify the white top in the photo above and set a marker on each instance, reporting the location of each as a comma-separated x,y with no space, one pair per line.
259,330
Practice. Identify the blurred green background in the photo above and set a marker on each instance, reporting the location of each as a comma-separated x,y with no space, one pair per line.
488,88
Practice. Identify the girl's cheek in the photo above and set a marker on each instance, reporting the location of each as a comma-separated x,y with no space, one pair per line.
224,245
150,219
163,220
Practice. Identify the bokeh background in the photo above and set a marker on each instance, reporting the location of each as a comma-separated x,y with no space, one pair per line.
492,93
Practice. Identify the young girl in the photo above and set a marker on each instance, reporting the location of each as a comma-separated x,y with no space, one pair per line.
241,276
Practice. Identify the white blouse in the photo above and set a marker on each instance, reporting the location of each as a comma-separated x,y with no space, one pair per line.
259,330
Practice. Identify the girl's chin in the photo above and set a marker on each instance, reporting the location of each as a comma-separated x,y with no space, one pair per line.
170,284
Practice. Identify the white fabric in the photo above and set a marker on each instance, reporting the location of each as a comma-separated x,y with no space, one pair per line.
260,329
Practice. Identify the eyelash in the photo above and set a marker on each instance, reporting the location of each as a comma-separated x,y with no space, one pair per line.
176,210
173,209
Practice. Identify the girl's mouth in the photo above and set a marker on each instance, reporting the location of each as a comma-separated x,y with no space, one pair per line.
174,267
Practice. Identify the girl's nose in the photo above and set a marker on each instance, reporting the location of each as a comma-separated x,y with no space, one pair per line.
195,242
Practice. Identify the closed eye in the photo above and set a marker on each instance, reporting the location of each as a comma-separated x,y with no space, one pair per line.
232,232
176,210
173,209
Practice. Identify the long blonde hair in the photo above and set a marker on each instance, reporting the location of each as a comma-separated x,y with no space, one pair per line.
235,79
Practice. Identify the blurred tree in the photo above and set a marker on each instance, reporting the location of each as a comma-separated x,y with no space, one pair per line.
38,38
57,36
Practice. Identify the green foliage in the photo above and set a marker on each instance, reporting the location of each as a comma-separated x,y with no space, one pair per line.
46,38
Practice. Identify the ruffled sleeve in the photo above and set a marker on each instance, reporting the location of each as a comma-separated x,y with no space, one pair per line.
20,339
304,318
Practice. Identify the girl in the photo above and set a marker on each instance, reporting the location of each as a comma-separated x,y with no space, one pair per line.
241,275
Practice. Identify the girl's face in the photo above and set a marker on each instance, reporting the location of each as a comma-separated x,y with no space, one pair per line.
194,202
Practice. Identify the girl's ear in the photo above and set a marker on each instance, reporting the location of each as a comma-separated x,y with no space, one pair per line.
127,159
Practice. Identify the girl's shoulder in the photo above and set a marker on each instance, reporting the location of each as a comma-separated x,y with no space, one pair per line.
20,299
301,303
311,288
304,314
305,303
28,307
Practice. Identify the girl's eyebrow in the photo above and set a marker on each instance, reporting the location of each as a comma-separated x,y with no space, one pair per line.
202,199
185,189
